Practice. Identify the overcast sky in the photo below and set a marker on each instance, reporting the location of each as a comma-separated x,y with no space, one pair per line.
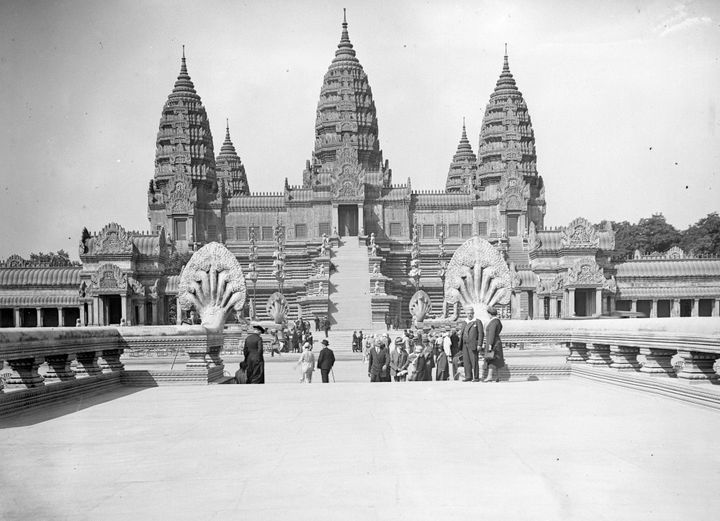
623,98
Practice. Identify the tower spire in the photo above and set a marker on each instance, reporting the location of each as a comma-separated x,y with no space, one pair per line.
506,66
345,49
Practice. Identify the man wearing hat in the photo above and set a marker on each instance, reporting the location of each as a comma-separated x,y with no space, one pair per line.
471,339
398,361
378,363
326,360
253,352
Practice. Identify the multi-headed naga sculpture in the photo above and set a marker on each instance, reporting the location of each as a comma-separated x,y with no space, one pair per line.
277,308
477,277
212,283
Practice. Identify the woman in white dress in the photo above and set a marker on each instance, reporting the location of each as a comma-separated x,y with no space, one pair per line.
306,363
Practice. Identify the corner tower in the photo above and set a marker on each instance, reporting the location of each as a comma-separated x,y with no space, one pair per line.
230,170
506,157
185,182
346,127
463,168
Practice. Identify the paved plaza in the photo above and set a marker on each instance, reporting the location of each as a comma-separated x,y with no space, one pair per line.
554,449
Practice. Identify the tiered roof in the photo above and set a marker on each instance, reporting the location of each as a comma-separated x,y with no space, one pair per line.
346,116
506,135
463,167
184,141
230,169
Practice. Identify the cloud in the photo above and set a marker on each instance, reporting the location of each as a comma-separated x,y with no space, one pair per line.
680,20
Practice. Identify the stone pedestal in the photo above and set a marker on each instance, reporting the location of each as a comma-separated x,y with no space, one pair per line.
698,367
578,352
59,369
110,361
624,358
598,354
658,362
25,374
87,364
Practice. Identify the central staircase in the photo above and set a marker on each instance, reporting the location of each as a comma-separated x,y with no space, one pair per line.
350,287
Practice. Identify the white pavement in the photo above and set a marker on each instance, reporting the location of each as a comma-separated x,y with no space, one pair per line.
563,449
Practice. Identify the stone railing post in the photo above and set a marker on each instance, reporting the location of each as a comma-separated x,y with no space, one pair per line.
698,367
197,359
598,354
59,369
658,362
578,352
25,374
624,358
110,361
87,364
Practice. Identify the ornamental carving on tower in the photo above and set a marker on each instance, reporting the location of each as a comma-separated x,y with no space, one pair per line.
533,241
580,233
136,286
108,278
348,180
585,271
113,239
514,191
180,194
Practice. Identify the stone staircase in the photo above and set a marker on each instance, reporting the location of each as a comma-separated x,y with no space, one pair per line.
350,287
517,253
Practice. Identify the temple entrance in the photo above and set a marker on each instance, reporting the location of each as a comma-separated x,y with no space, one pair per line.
348,220
113,308
584,302
512,225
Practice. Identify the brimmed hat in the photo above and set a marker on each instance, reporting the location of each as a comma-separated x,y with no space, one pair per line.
419,348
325,342
258,327
399,340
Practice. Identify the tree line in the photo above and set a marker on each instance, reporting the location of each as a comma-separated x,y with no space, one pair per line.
655,234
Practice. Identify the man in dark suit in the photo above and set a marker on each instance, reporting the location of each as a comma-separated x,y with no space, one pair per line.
326,360
471,340
378,364
253,352
398,361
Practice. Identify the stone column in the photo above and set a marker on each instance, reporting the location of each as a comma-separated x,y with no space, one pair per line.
61,316
124,307
18,318
87,364
698,367
81,313
98,314
675,310
110,361
141,313
571,302
154,307
553,307
335,219
538,310
38,311
59,369
716,308
598,301
598,354
658,362
624,358
24,374
612,304
653,309
633,307
695,306
178,313
578,352
361,219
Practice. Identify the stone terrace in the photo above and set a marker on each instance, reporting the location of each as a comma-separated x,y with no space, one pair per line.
559,449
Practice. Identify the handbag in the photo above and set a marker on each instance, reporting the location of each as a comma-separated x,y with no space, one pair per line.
489,354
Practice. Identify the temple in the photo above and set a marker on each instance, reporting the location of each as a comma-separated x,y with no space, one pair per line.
342,240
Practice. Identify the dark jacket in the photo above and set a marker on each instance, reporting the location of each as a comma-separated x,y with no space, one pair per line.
253,352
494,328
378,360
472,336
326,359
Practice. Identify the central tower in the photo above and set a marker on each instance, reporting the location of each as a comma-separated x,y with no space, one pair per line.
346,127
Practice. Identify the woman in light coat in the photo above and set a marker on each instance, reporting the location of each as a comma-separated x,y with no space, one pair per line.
306,363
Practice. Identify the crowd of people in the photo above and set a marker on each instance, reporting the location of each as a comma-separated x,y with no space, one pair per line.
464,354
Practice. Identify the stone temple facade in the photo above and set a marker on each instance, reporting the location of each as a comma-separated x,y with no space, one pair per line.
344,241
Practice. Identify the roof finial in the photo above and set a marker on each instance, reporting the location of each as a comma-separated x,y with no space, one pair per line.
183,51
506,66
227,124
344,16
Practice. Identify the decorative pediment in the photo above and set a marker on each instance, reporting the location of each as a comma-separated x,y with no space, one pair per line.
580,233
108,278
180,195
514,191
136,286
674,253
585,271
113,240
348,178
